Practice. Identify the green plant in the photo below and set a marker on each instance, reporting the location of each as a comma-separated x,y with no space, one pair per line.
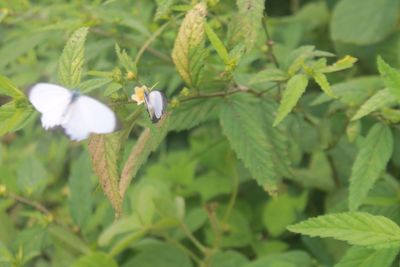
264,128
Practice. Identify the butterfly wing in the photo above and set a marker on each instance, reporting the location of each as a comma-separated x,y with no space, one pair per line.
52,101
87,115
156,104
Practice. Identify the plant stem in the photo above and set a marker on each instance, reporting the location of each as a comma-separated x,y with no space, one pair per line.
232,199
192,238
270,43
29,202
183,248
148,42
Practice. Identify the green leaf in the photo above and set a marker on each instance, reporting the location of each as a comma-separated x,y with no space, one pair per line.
269,75
126,60
381,99
7,88
363,21
322,81
189,115
365,257
95,259
229,258
13,118
356,228
249,20
68,240
287,259
80,198
370,163
163,9
160,255
121,226
71,60
243,127
353,92
217,44
294,89
92,84
391,77
104,150
32,176
188,53
283,209
342,64
148,142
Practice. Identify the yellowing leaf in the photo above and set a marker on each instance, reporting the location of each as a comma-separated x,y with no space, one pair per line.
188,53
322,81
342,64
104,150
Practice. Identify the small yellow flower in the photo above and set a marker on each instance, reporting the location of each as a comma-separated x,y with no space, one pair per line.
3,190
138,96
130,76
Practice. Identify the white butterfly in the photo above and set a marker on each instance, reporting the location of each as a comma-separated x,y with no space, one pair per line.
79,115
156,104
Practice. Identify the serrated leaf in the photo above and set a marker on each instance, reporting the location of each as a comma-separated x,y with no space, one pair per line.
217,44
125,60
9,89
68,240
322,81
242,126
353,92
269,75
71,60
250,15
296,86
391,77
80,199
277,138
365,257
92,84
356,228
188,53
381,99
342,64
189,115
163,8
371,160
95,259
148,141
13,118
104,151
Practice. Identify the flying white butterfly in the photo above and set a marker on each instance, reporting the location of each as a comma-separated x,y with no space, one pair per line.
79,115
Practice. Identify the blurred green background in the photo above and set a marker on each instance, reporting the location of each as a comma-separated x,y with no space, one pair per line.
193,203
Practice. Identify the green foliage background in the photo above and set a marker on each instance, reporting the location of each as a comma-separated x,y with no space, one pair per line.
281,130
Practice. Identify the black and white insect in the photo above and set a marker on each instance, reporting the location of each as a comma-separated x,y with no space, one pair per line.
156,104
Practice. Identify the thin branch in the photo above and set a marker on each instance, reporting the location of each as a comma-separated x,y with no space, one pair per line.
29,202
147,44
270,42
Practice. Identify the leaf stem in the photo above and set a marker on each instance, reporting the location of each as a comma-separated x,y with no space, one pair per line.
29,202
270,42
192,238
146,45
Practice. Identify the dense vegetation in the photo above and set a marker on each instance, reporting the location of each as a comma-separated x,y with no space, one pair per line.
278,148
